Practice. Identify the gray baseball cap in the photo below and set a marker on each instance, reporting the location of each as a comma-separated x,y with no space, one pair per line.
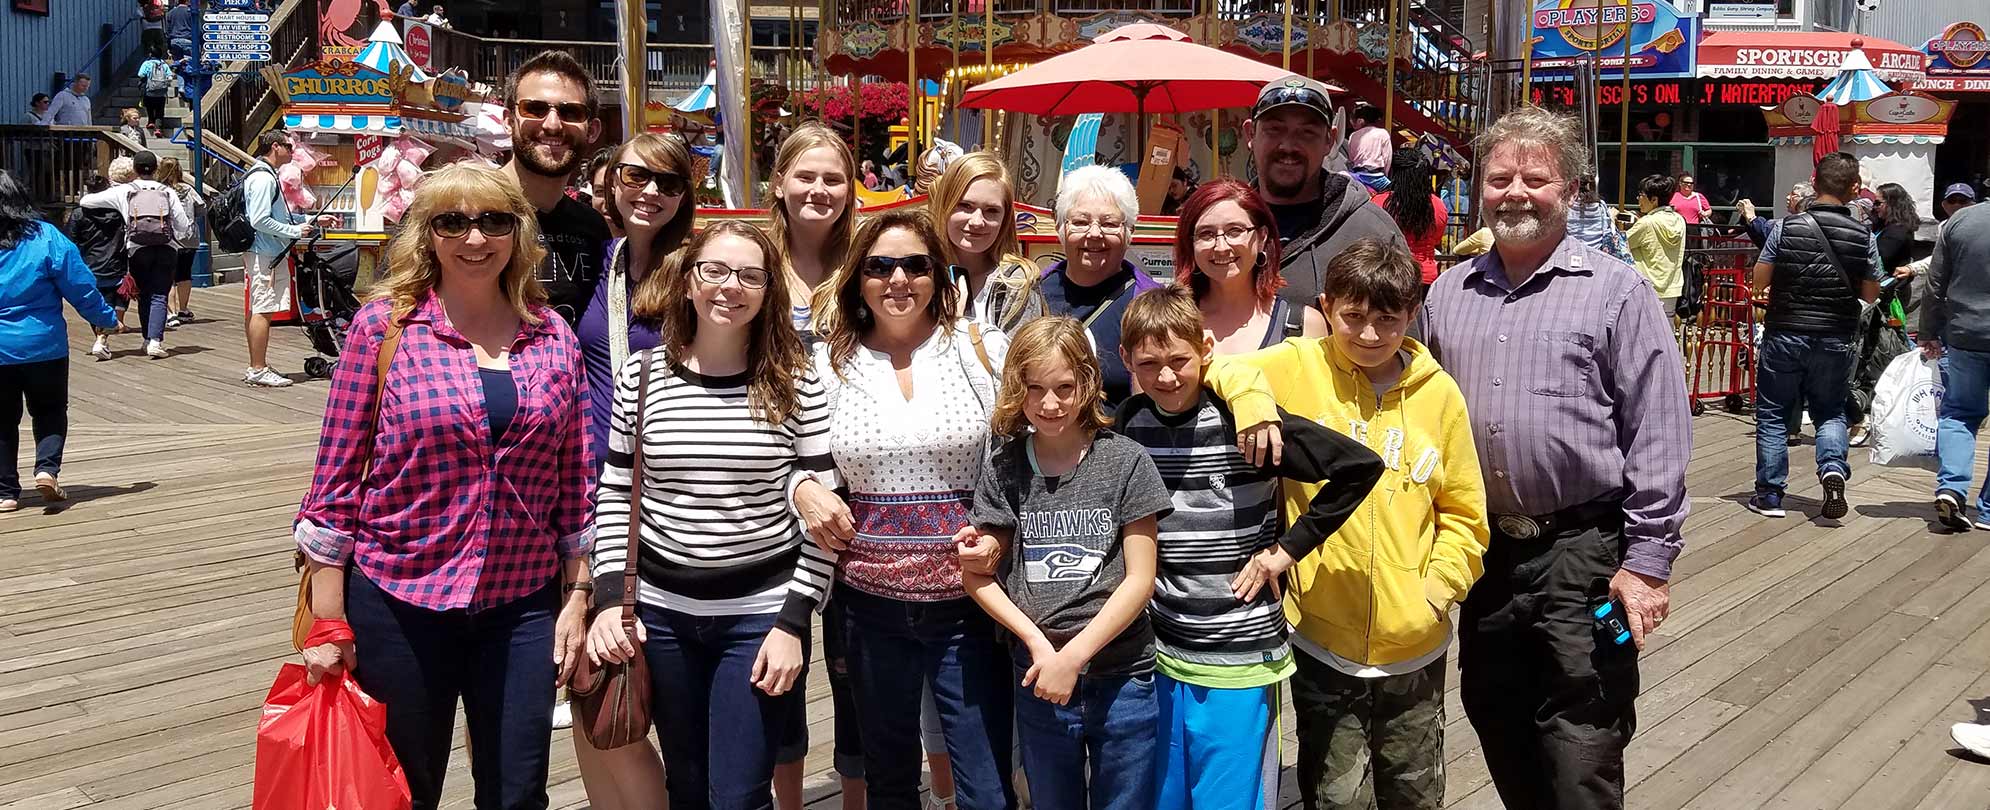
1293,91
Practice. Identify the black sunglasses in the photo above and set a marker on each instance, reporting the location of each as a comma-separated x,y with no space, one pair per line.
1291,95
914,266
634,178
491,223
571,112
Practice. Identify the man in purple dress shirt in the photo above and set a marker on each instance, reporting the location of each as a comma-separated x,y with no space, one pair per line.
1578,407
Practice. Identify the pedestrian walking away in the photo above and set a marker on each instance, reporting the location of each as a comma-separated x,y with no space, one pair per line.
156,224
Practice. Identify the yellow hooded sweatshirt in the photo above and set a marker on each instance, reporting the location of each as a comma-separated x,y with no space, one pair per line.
1378,591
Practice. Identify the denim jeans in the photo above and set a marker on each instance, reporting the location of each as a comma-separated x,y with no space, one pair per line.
153,268
1965,400
1114,722
44,387
717,731
499,661
896,647
1795,371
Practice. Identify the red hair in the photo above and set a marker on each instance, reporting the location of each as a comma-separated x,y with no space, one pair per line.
1264,274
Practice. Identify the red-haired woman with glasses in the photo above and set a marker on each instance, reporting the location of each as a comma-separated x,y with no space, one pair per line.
448,522
1226,252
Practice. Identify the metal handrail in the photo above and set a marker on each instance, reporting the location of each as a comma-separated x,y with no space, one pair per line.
99,55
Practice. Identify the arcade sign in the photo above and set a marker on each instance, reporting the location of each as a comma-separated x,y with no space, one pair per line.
1567,32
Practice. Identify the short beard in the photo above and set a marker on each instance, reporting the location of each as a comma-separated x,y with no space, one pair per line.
522,149
1529,230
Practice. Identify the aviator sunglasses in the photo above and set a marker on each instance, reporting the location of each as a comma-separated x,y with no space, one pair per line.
571,112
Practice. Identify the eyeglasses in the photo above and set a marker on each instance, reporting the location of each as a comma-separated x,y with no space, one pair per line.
1105,226
571,112
883,266
1233,235
634,178
453,224
752,278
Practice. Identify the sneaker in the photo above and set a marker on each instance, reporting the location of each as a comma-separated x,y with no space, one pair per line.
101,349
1767,504
1834,495
1795,438
563,715
265,378
936,802
155,349
50,489
1859,436
1948,511
1973,737
173,321
185,316
10,505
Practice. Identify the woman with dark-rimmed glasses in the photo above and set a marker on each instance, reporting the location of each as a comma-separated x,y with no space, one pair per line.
646,196
732,425
447,523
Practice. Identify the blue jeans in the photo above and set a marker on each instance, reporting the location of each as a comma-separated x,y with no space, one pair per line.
1965,401
896,648
717,732
1112,721
499,661
1795,371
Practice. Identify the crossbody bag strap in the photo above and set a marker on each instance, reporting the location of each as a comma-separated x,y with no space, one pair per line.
389,346
1830,251
637,473
1107,304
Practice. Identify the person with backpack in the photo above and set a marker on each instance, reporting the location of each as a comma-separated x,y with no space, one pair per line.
158,75
152,18
196,205
155,225
254,220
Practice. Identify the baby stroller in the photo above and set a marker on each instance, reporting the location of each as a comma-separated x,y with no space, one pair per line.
325,286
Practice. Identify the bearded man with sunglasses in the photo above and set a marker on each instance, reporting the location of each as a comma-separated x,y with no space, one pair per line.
552,107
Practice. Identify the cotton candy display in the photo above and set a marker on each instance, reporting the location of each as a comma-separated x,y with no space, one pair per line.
400,166
290,177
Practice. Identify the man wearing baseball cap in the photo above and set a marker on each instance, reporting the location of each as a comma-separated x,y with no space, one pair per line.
1957,197
1318,212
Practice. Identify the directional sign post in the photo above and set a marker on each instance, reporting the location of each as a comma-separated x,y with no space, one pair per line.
228,36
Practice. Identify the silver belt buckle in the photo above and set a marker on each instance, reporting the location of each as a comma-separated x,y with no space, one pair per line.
1520,527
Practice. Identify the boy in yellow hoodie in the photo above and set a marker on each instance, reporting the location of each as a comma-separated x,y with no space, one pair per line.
1371,605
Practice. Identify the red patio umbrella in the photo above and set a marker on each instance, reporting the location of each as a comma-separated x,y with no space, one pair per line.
1140,68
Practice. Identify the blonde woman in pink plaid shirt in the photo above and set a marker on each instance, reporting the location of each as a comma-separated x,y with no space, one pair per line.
452,536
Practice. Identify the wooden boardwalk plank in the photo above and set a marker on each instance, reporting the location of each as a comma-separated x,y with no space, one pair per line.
1805,664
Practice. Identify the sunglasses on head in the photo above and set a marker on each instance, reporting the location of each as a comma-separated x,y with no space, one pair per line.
491,223
914,266
634,178
571,112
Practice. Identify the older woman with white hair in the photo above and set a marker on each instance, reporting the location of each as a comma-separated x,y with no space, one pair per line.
1093,283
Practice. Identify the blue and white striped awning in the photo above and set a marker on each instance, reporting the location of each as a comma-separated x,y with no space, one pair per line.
460,132
344,124
384,52
701,99
1856,81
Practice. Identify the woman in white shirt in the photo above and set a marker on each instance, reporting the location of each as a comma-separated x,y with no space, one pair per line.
910,388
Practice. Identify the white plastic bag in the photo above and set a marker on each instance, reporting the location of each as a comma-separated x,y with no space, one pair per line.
1903,412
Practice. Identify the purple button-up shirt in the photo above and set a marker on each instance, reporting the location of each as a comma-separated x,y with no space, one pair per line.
1575,389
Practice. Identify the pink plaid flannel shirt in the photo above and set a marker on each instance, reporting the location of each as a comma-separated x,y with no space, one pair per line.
442,520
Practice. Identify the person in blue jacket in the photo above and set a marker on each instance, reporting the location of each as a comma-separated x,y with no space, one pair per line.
39,269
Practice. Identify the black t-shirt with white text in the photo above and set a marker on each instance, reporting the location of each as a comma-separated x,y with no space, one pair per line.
576,240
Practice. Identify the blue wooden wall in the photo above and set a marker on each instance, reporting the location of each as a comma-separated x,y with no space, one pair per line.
34,47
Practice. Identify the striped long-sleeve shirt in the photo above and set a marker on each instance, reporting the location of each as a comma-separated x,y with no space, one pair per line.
718,537
1225,512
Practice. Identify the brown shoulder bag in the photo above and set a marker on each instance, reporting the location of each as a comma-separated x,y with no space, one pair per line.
612,701
300,623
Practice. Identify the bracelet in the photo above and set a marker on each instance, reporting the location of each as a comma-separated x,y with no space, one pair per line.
583,587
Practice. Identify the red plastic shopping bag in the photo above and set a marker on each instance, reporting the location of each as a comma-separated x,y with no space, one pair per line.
325,746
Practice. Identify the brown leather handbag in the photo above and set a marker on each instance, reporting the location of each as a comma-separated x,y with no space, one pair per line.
300,622
612,701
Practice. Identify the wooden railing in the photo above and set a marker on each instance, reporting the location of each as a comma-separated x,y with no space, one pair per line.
669,68
52,162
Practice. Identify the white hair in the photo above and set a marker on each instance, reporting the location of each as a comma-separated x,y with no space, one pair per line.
1096,181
